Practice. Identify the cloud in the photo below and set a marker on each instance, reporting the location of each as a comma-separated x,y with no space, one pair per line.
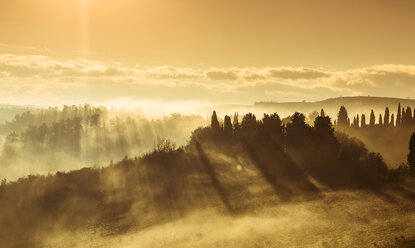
221,74
297,73
33,79
171,72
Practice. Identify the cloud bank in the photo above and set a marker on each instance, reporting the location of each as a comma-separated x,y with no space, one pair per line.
35,79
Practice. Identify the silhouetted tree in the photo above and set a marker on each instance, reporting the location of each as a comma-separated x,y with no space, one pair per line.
392,123
322,114
406,116
363,121
357,121
214,123
386,117
398,115
372,119
296,130
249,124
342,117
227,126
323,126
236,125
411,154
380,120
272,125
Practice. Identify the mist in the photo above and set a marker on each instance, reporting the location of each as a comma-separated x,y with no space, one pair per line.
239,180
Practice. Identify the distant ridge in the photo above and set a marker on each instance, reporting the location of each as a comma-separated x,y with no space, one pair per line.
354,105
347,100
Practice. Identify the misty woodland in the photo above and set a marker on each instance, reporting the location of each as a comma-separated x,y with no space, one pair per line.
207,124
237,166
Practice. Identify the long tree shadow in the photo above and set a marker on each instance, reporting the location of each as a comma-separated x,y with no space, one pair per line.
214,180
285,177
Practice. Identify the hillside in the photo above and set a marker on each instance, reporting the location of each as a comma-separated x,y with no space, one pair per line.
230,183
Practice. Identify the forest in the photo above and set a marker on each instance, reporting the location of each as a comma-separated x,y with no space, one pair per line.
236,166
386,132
73,137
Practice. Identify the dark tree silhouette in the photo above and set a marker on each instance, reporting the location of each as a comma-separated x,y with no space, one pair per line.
398,115
272,126
392,123
227,126
236,124
342,117
323,126
249,124
372,119
411,154
386,117
408,116
380,120
214,123
297,130
363,121
322,114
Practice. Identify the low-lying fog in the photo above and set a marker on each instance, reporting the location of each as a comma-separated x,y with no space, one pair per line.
337,219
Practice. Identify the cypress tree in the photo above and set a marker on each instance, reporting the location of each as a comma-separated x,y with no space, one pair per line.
227,126
386,117
236,125
357,120
380,120
322,114
407,116
214,123
392,120
363,121
398,115
372,119
342,117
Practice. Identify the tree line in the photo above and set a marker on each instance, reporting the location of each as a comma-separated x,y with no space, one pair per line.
404,117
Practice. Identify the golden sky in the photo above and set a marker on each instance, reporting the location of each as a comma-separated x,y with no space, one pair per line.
204,50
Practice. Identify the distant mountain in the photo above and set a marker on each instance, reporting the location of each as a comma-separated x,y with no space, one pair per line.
354,105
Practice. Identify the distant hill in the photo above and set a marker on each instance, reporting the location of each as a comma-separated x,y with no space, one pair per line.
354,105
8,111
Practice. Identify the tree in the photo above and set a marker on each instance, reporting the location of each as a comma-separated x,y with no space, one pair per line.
392,123
354,124
357,120
322,114
411,154
272,125
236,125
372,118
407,117
380,120
363,121
227,126
214,123
297,130
323,126
408,114
398,115
386,117
342,117
249,123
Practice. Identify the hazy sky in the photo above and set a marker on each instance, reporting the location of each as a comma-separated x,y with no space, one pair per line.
210,51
